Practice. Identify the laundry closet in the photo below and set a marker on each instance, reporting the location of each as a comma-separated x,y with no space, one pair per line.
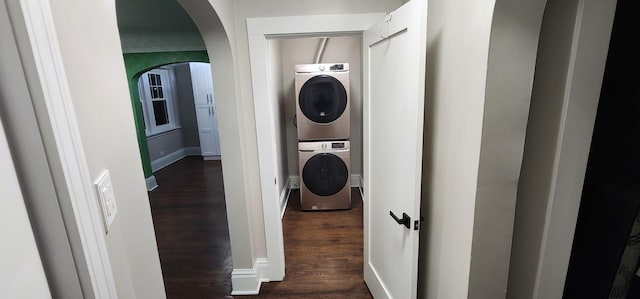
317,82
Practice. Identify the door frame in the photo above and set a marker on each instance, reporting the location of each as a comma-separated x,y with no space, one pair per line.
544,275
260,31
35,35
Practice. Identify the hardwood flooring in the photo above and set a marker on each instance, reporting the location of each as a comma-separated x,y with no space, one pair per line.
323,250
323,253
190,220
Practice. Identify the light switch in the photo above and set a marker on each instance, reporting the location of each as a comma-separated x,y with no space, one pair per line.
107,199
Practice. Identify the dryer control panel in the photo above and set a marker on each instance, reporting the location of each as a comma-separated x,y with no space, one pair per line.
323,145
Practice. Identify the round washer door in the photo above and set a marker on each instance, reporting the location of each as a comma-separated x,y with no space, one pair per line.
325,174
322,99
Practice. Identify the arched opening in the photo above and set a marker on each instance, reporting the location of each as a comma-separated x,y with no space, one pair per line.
190,208
136,64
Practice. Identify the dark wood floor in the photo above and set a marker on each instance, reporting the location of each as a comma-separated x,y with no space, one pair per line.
323,250
190,221
323,253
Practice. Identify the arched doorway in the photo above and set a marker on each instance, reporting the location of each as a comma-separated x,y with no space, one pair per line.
218,52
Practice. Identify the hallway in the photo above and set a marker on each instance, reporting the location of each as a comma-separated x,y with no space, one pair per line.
323,249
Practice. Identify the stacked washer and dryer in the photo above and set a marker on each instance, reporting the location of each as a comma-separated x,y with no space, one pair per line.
323,121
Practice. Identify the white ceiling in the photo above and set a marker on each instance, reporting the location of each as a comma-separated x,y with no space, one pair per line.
152,16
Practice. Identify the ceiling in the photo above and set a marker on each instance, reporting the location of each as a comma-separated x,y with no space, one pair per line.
153,16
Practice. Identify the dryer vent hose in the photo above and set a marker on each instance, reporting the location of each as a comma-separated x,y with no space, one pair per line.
320,51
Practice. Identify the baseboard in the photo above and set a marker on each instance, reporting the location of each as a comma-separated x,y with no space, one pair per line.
212,158
284,197
152,184
356,181
167,160
171,158
248,281
294,182
192,151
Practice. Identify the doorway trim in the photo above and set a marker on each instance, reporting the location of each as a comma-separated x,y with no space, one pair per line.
260,30
44,72
585,73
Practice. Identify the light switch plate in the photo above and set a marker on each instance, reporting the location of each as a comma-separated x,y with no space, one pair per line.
107,199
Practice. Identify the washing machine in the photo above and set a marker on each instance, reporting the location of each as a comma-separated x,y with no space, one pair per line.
322,101
325,175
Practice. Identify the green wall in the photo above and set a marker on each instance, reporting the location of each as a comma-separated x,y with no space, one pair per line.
138,63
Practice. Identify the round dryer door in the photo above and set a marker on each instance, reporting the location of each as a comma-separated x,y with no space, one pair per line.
325,174
322,99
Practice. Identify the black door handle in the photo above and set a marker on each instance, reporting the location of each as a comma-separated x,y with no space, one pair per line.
406,220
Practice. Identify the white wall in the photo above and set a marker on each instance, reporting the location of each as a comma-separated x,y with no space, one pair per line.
458,35
338,49
186,106
92,57
515,31
21,271
571,58
542,137
277,93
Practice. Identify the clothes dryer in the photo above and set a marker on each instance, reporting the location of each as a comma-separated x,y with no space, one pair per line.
325,175
322,101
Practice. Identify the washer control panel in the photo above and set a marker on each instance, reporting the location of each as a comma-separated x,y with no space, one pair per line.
324,67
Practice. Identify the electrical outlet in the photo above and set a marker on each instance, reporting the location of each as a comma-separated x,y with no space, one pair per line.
107,199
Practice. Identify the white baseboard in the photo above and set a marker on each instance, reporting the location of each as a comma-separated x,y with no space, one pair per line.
284,197
171,158
356,180
294,182
248,281
152,184
192,151
212,158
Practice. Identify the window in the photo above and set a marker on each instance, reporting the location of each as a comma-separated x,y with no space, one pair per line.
157,105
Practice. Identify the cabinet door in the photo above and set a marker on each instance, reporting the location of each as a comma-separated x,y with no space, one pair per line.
208,85
206,131
216,136
200,83
205,108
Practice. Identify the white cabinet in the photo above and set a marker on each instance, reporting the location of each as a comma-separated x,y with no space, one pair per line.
205,105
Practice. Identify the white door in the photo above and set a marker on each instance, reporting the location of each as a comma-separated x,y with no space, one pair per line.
394,54
205,108
206,130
